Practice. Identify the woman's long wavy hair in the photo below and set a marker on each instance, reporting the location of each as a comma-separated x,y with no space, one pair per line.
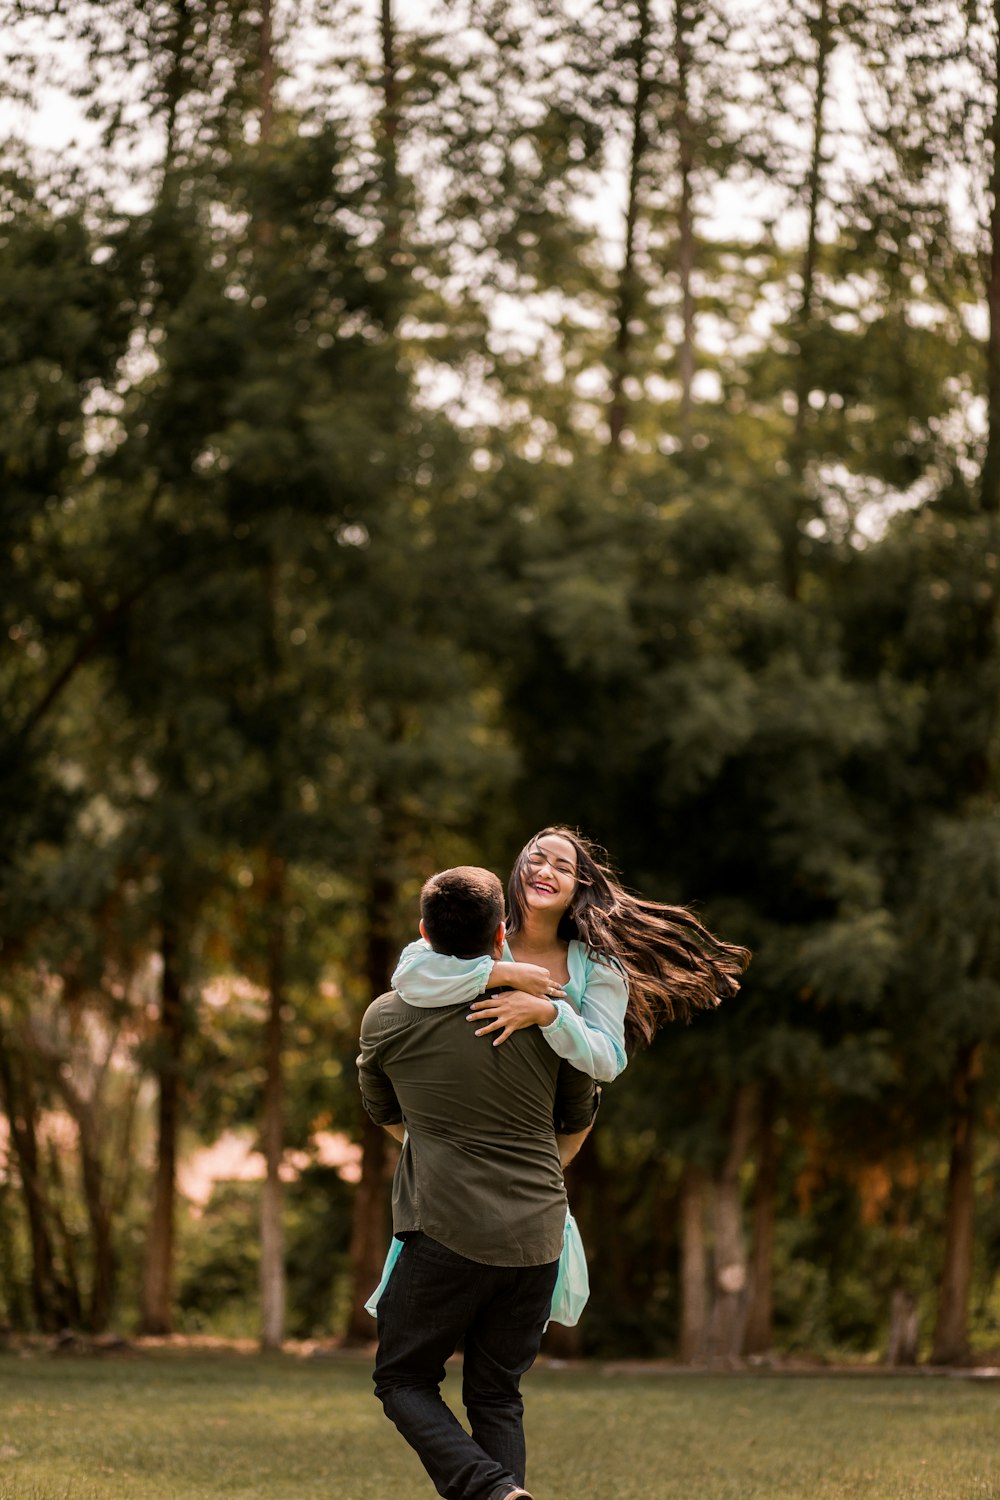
673,964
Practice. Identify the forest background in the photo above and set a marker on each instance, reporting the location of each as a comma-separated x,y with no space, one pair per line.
419,424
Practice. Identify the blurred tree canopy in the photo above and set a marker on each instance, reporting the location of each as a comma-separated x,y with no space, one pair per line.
419,424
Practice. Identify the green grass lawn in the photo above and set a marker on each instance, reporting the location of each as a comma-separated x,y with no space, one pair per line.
185,1426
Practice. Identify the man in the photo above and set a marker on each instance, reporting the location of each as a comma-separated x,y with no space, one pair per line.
478,1200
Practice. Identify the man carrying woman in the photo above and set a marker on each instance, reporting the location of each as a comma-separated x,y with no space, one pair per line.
478,1203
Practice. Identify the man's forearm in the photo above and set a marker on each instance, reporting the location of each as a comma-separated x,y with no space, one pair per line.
396,1131
569,1145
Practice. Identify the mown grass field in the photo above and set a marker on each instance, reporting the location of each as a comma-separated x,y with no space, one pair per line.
186,1426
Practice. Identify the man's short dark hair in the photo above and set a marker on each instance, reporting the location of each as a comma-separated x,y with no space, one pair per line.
461,910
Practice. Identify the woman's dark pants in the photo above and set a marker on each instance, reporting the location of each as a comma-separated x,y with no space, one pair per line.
434,1299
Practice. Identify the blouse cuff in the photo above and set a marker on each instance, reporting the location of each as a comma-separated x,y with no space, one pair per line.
559,1019
482,972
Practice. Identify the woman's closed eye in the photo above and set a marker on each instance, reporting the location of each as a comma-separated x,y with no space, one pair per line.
536,861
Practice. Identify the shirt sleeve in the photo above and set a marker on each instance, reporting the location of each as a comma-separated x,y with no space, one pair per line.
593,1038
428,979
377,1093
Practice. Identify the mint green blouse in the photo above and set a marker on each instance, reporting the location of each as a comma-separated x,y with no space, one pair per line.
589,1033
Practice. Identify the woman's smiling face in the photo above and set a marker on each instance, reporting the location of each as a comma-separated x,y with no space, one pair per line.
549,873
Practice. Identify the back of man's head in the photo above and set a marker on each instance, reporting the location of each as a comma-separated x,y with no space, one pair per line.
461,910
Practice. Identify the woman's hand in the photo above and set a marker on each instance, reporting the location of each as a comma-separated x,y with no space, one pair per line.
530,979
512,1011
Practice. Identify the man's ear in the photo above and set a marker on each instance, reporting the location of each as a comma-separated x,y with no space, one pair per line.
499,936
423,931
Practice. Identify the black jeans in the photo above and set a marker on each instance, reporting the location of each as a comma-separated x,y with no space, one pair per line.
434,1299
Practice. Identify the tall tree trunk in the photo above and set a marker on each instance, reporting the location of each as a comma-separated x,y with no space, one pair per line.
694,1267
175,86
265,53
729,1305
389,129
814,197
685,220
757,1336
370,1230
951,1330
628,281
272,1236
105,1264
158,1272
70,1274
824,38
904,1328
156,1296
990,477
50,1297
96,1196
14,1308
272,1229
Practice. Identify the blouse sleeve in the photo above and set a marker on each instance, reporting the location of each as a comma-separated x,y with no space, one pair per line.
593,1038
428,979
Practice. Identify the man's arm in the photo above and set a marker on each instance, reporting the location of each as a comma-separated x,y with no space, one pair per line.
398,1132
569,1145
377,1093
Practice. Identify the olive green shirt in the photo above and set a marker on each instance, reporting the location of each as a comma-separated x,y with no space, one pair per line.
479,1169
